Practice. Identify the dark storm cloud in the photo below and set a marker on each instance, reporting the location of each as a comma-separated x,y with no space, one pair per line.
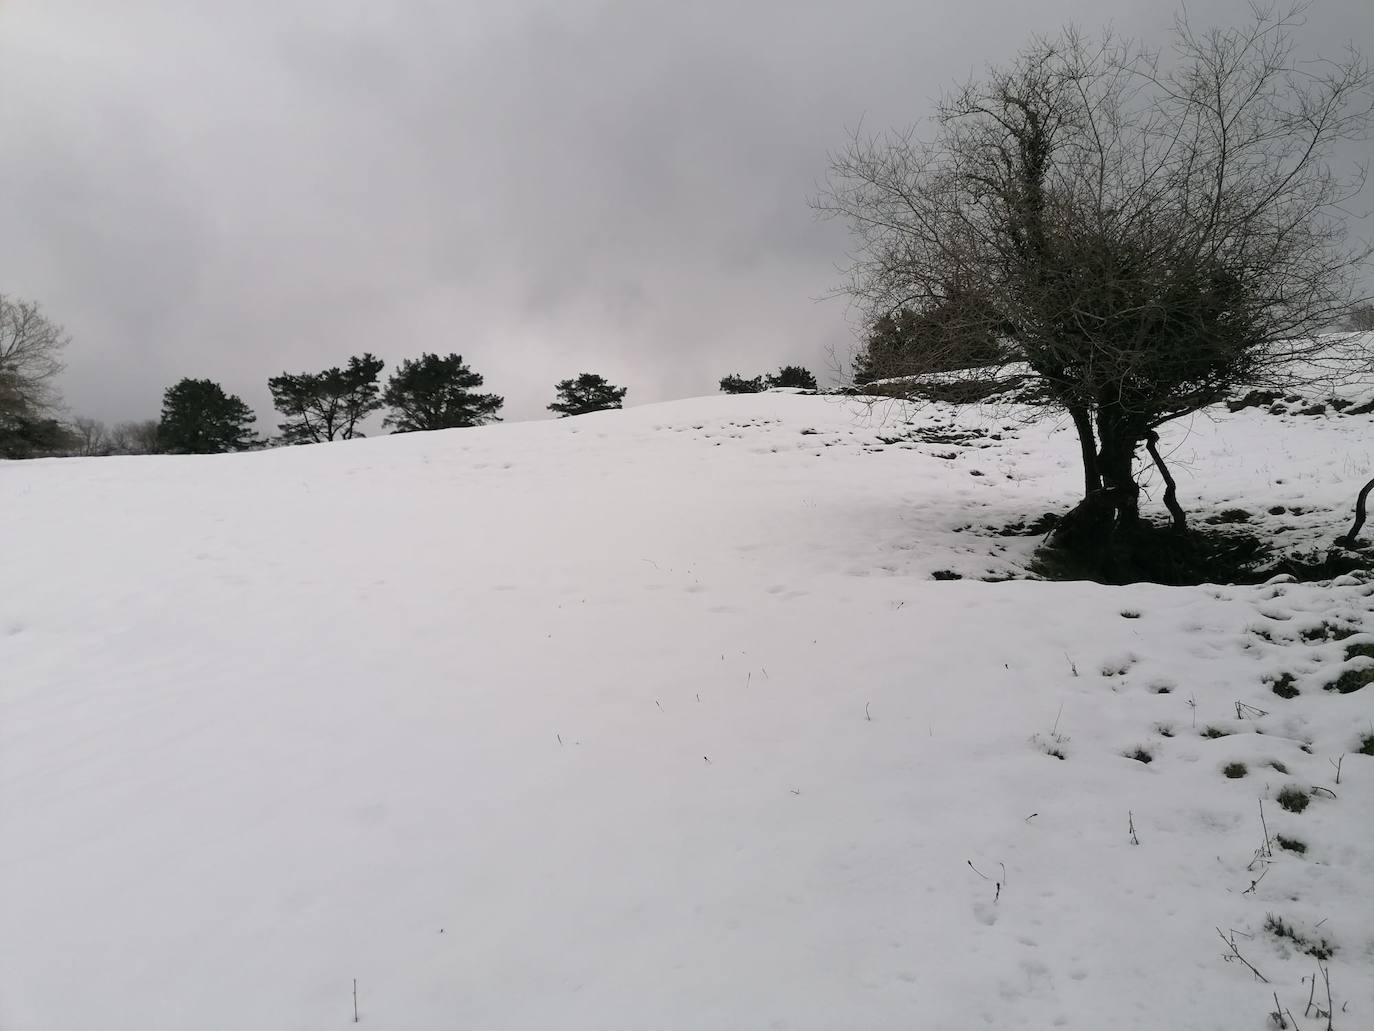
233,190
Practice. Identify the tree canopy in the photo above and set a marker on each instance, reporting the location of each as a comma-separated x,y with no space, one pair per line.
737,384
792,376
587,393
328,405
437,393
199,418
30,359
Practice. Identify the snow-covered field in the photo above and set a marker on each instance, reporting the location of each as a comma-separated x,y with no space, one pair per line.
658,719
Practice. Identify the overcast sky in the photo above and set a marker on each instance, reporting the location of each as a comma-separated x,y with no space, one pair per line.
233,190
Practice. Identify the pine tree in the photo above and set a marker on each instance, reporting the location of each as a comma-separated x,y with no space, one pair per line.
792,376
737,384
199,418
436,393
26,436
328,405
588,393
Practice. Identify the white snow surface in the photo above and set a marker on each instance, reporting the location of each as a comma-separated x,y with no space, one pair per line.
658,719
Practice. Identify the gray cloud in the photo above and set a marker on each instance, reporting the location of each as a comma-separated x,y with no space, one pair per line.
231,191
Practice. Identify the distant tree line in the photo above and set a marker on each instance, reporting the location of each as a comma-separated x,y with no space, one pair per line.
787,376
432,392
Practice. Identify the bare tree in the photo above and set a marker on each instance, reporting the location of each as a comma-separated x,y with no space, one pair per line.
91,438
29,361
1145,230
135,438
30,348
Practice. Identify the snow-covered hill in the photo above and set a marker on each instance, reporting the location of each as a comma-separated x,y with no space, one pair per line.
661,719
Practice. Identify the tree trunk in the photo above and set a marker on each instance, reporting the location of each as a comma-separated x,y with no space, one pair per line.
1170,488
1115,458
1087,446
1100,529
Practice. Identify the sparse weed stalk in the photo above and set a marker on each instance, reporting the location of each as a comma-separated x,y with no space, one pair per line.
1054,742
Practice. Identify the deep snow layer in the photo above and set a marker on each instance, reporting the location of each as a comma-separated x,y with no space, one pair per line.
656,719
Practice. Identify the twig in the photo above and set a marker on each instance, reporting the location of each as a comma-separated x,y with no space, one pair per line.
1054,729
977,871
1072,665
1337,763
1278,1016
1130,826
1330,1009
1268,851
355,1000
866,713
1317,788
1253,884
1235,952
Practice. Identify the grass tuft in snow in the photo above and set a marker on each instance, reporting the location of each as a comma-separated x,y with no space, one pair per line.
1215,732
1294,845
1283,686
1229,515
1293,799
1052,744
1317,948
1235,770
1353,679
1141,755
1327,631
